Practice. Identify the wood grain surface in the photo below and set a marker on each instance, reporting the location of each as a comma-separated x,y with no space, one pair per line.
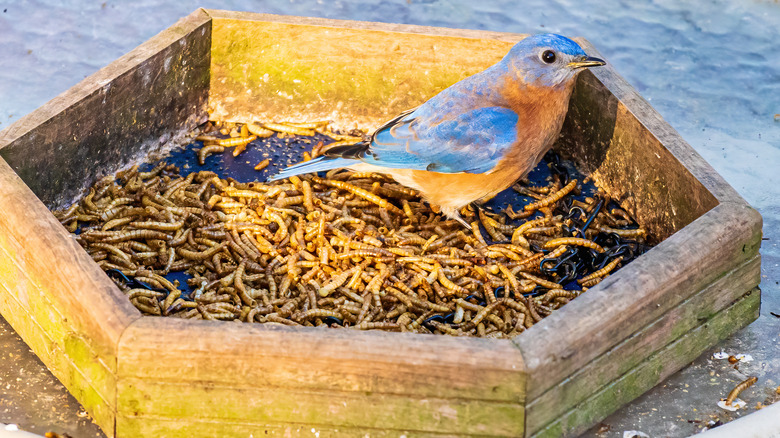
320,377
630,353
655,368
58,300
639,293
359,75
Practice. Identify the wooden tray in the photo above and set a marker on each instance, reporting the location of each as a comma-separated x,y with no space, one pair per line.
146,376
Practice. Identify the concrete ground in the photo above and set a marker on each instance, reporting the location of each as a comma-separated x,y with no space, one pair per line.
710,68
32,398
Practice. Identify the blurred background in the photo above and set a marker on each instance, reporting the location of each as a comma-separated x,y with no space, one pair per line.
711,68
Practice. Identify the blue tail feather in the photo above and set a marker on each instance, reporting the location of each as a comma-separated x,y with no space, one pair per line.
316,165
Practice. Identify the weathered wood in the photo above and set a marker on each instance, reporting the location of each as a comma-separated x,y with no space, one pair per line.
633,351
301,357
116,116
318,408
356,74
58,300
131,427
656,368
638,294
623,156
69,358
333,377
652,122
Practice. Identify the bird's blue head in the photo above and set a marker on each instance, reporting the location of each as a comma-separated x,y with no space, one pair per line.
548,60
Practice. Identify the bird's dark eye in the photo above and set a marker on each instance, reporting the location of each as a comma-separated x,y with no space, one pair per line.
548,56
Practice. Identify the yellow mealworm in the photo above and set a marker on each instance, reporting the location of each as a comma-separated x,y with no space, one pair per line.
159,226
630,233
336,282
603,271
262,165
118,222
201,255
365,194
205,151
288,129
490,226
447,283
592,282
122,236
574,241
558,293
238,282
378,326
316,313
513,283
541,281
235,142
739,388
555,197
478,233
258,130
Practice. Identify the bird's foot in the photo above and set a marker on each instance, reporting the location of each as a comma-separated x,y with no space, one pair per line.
460,219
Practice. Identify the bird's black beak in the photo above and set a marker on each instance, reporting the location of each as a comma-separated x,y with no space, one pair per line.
588,61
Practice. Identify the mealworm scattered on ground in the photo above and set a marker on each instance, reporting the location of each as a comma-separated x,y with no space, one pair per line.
344,249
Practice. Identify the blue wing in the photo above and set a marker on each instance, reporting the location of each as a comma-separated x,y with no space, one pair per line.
473,142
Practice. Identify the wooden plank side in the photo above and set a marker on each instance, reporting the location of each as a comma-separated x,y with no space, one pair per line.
32,306
325,408
86,377
613,144
48,261
328,377
656,368
638,294
269,67
308,358
654,125
631,352
135,427
332,359
59,300
115,116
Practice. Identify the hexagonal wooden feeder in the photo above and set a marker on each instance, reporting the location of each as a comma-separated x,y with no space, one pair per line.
150,376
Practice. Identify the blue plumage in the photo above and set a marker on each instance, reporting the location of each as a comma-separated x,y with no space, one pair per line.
478,136
471,142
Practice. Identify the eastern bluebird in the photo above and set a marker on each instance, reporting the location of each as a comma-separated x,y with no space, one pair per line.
477,137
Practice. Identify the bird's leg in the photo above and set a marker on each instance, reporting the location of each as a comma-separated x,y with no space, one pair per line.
450,212
460,219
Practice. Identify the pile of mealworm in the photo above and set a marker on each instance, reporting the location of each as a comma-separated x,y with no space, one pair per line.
345,249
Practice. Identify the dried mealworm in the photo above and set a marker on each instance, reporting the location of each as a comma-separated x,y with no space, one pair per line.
262,165
288,129
555,197
259,131
574,241
739,388
205,151
360,192
237,142
601,272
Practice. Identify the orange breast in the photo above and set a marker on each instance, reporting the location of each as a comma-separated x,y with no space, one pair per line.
540,115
